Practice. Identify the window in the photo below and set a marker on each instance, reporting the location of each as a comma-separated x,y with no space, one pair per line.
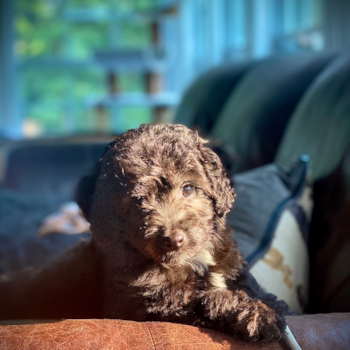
56,45
84,66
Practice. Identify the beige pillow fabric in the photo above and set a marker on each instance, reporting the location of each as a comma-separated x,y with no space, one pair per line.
284,269
270,220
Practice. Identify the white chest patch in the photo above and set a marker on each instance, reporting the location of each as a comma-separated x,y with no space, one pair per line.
205,259
218,281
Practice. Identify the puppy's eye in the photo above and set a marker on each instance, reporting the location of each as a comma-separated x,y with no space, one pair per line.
187,191
139,201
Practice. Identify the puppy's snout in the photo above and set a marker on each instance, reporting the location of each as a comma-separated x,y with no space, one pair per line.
179,239
176,241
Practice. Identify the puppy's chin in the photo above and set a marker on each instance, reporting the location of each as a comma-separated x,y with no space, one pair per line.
171,259
177,259
161,257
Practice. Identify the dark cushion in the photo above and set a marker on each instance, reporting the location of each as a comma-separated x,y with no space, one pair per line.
262,195
49,167
255,115
270,220
205,98
320,126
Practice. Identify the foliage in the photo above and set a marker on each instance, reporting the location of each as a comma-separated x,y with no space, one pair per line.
55,56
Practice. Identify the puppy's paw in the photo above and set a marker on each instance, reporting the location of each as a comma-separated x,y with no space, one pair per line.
240,316
259,322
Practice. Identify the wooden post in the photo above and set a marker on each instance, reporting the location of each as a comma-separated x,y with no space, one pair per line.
112,82
154,82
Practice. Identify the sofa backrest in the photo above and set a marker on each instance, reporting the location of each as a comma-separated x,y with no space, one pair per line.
48,167
206,96
320,126
254,117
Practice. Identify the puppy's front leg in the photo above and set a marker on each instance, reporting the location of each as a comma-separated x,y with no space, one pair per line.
235,313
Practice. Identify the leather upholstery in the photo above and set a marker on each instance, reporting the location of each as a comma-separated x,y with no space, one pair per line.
116,334
326,332
322,331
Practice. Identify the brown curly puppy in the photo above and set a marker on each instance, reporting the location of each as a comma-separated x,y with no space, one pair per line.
160,247
157,213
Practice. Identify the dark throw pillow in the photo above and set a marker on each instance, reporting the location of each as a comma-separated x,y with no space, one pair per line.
270,220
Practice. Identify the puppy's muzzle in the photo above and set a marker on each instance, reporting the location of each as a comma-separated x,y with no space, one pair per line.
174,242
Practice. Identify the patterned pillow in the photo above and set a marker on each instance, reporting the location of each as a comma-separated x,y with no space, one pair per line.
270,220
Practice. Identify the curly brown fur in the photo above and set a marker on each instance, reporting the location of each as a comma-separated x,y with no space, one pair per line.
157,203
157,214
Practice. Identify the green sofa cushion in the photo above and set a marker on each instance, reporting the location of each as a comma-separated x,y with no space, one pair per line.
254,117
204,99
320,126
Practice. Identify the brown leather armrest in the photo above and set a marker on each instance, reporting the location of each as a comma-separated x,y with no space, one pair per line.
117,334
331,331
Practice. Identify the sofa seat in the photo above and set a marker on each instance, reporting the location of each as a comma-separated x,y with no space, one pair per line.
329,331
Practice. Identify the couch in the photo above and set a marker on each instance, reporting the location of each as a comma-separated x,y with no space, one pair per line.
254,113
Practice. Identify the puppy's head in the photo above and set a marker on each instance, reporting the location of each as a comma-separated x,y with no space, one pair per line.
159,189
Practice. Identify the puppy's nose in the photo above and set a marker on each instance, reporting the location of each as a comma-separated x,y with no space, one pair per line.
179,239
176,241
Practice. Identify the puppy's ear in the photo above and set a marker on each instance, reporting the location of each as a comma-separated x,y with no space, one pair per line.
85,191
222,195
86,186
